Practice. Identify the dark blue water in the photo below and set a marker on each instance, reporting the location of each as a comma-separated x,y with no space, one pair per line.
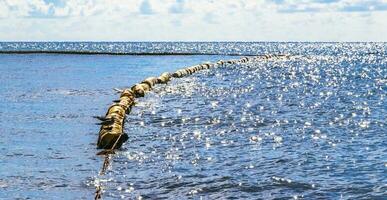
312,126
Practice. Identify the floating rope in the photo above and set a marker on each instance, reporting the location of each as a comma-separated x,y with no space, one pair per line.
111,135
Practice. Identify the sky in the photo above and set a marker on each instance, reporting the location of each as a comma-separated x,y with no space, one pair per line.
193,20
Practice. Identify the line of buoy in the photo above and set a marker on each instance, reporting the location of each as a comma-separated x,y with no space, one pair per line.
111,134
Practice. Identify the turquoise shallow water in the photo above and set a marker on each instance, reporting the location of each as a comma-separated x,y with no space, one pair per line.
311,127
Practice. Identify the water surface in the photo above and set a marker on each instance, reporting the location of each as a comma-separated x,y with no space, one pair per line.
311,127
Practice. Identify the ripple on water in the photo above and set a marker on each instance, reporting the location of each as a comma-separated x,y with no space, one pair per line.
311,126
275,128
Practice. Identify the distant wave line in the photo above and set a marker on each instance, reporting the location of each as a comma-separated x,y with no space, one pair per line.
120,53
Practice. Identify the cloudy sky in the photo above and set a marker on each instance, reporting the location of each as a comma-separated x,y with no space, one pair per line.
193,20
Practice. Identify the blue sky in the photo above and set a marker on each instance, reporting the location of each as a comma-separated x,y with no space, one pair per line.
193,20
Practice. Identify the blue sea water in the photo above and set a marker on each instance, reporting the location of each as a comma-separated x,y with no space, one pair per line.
309,127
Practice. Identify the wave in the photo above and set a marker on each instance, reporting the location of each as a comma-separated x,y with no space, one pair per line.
123,53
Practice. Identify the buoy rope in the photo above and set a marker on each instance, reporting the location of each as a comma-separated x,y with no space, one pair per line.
111,135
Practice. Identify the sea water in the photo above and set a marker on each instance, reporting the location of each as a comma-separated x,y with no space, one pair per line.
311,126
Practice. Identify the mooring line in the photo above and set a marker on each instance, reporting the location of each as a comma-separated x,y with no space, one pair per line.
111,135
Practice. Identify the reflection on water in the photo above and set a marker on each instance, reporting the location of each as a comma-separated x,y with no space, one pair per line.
307,127
312,126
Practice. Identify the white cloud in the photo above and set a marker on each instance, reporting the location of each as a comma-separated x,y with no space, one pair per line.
192,20
20,8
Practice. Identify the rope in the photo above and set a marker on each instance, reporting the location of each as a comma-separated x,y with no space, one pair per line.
105,166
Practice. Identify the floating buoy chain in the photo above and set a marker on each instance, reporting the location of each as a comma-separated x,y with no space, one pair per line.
111,134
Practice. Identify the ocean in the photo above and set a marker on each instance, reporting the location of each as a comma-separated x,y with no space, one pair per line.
312,126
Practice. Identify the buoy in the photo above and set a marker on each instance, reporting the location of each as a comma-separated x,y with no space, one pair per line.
151,81
128,93
138,90
116,108
111,137
164,78
111,132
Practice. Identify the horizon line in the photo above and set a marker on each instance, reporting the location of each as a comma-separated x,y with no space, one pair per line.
187,41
